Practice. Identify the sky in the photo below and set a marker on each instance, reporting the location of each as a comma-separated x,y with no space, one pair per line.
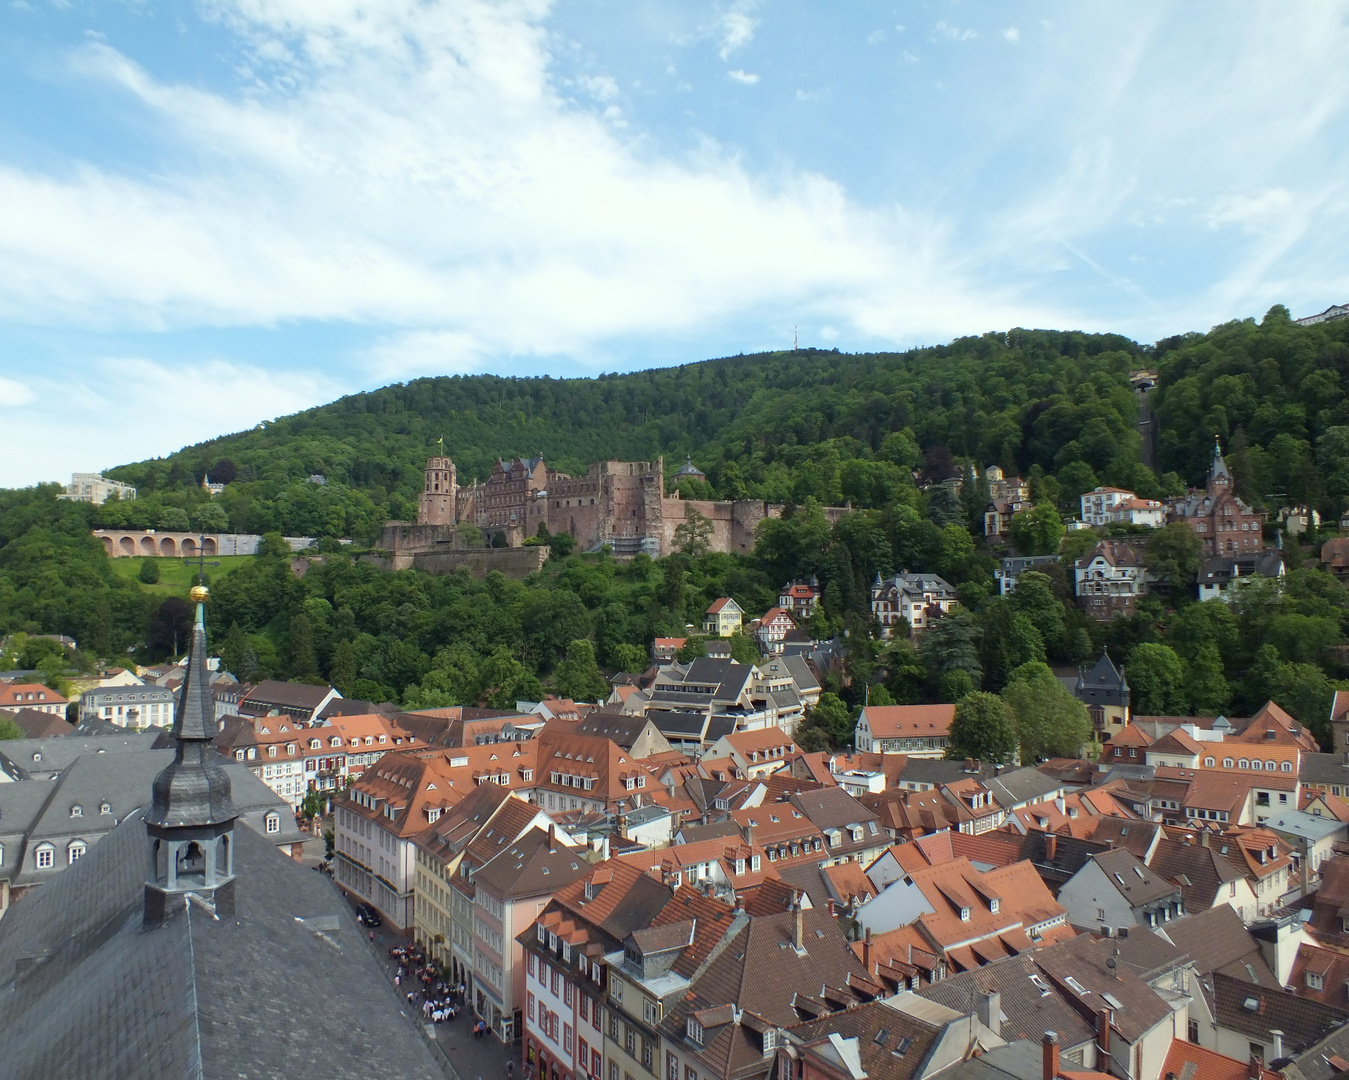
215,212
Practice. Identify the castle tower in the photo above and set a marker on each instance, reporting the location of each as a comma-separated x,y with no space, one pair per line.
191,816
436,505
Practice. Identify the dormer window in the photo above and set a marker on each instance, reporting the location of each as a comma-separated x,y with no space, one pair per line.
542,933
315,744
105,808
1208,763
1227,763
695,1031
336,740
77,811
993,905
964,914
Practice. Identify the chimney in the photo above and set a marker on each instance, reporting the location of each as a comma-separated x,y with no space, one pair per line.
1203,837
798,922
1051,847
552,837
604,849
1061,805
1050,1056
832,912
990,1011
1103,1034
866,951
749,834
1278,1044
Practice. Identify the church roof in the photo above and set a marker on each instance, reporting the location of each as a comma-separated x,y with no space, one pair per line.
690,469
287,986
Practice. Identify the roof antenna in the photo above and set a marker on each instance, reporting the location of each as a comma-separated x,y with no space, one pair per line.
796,341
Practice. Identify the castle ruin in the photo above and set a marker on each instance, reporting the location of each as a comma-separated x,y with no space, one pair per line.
621,504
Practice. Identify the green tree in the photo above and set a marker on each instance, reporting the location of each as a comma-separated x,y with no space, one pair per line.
1050,721
630,658
342,669
1206,687
744,649
10,730
693,647
1036,531
693,534
503,680
832,721
302,660
149,572
1174,553
1157,680
1008,639
951,643
579,677
954,685
983,728
210,517
1034,597
273,546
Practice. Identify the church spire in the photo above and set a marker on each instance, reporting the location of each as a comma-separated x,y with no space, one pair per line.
191,814
1218,474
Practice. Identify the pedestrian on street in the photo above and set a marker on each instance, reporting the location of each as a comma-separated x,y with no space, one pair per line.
510,1068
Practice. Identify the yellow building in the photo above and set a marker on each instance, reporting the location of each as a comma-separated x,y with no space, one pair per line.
723,618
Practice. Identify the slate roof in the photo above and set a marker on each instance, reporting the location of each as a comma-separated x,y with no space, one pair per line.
529,867
617,727
287,986
1134,881
1017,787
1217,940
1199,871
891,1045
1324,768
291,695
1029,1009
1302,1022
17,755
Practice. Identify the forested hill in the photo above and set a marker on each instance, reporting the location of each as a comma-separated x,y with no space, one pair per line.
791,425
777,426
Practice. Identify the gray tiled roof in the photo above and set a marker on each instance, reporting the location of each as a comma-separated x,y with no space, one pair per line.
17,755
271,991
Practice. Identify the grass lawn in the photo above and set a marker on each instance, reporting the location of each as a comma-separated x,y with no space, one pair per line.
176,576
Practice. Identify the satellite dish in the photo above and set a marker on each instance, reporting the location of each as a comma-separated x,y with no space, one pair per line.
1110,962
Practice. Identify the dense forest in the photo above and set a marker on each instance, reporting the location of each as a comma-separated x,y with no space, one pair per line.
806,429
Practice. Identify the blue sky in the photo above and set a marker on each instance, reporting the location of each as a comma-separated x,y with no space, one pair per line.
213,212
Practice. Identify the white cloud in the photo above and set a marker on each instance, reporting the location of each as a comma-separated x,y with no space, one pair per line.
943,29
736,27
876,37
124,408
13,393
422,173
1012,35
1253,213
600,87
